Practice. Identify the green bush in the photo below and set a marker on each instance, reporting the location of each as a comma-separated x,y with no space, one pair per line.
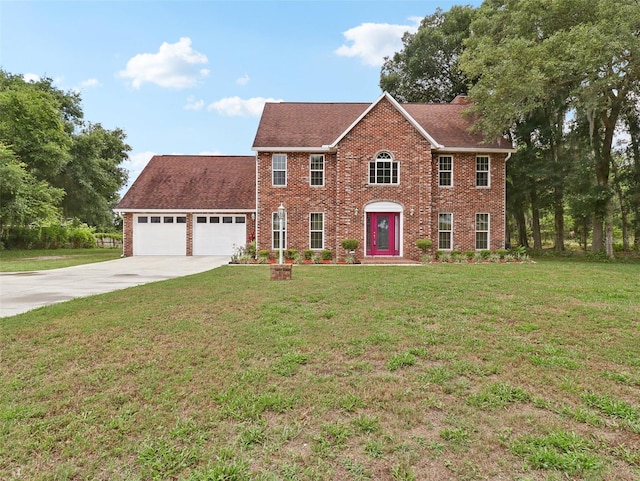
265,253
308,254
81,238
291,254
424,244
502,252
350,244
469,254
485,253
326,255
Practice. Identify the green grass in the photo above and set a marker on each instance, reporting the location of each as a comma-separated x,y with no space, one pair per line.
39,260
440,371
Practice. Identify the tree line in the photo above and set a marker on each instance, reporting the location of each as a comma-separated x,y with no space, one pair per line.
562,81
54,165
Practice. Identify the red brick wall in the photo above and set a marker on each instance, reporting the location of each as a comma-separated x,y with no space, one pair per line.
347,188
127,234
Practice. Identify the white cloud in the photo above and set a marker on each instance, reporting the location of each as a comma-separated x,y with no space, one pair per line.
244,80
194,104
174,65
31,77
92,82
374,41
237,107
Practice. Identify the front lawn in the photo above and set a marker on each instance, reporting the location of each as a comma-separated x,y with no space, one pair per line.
45,259
435,372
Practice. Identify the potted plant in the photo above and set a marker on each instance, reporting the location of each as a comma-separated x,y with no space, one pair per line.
350,245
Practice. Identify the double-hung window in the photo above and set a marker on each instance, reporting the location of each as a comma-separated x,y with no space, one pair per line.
445,171
316,230
482,231
482,171
316,170
383,169
445,231
275,231
279,169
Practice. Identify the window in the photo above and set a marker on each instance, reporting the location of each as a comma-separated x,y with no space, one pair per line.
241,220
155,220
316,166
214,220
482,171
143,220
168,220
279,169
181,220
227,220
275,230
383,170
445,231
482,231
201,220
316,230
445,171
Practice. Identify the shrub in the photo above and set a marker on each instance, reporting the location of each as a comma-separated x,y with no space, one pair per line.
502,252
326,255
291,254
469,254
485,253
308,254
251,248
424,245
81,238
264,253
350,244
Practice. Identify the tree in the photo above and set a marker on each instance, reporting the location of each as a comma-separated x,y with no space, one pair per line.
427,69
93,176
23,198
576,56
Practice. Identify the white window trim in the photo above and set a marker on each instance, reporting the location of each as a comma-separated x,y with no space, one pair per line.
311,230
450,171
286,160
377,159
317,170
274,215
488,186
488,231
449,231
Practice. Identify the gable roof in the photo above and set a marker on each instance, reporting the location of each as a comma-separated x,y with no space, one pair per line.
289,126
194,182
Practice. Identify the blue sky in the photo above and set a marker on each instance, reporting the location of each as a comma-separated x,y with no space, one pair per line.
191,76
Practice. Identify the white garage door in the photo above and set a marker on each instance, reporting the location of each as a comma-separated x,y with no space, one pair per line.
218,235
159,235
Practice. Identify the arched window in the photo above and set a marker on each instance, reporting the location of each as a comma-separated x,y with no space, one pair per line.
383,169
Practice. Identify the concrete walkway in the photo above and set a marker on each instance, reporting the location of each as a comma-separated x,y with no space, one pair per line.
24,291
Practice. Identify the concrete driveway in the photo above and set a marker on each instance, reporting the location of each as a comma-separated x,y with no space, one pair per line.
23,291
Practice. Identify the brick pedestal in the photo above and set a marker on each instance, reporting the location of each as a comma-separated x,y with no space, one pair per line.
281,272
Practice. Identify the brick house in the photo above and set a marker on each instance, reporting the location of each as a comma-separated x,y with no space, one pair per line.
384,173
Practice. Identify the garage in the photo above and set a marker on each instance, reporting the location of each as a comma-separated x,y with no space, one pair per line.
218,234
159,235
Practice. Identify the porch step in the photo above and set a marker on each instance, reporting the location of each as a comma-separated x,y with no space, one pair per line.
387,260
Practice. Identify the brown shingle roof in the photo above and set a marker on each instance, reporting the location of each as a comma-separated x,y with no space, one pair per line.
194,182
314,125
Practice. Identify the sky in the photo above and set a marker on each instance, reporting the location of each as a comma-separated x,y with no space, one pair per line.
191,76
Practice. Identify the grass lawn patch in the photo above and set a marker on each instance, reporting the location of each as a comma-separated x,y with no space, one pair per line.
439,372
45,259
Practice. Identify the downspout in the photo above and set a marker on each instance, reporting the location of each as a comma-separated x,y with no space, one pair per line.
255,222
504,203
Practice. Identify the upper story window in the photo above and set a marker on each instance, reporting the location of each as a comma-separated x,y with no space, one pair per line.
445,171
279,169
316,172
383,169
482,171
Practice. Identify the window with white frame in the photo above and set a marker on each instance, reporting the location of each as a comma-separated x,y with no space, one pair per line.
482,231
316,170
445,231
316,230
275,235
279,169
482,171
445,171
383,169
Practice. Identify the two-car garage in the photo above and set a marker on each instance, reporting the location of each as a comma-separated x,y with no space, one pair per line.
167,234
190,205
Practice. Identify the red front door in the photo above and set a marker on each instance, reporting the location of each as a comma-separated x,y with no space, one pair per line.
382,234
